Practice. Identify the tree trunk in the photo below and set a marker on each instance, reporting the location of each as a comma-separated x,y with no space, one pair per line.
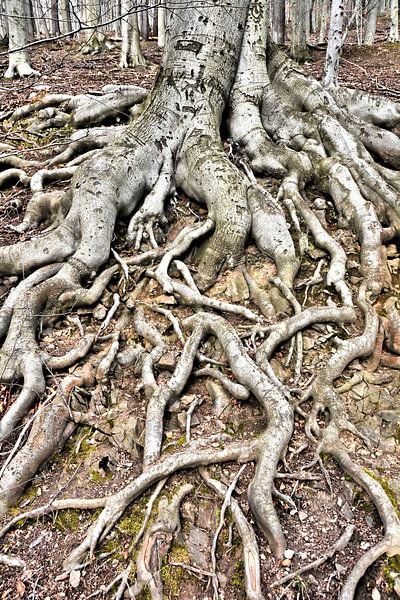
95,40
131,53
55,24
219,73
370,27
144,20
278,21
335,44
154,32
18,64
161,26
324,8
65,13
299,28
394,21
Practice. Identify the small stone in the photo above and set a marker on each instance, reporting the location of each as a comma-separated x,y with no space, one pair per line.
308,343
278,368
369,521
164,299
167,361
74,578
197,546
346,512
188,399
289,554
365,545
206,515
182,420
340,569
352,264
392,250
222,578
391,416
286,562
375,595
348,490
237,288
174,407
188,511
303,516
100,312
312,579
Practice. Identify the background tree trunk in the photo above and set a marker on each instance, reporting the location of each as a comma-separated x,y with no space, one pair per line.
335,44
370,27
131,53
161,26
394,21
323,9
65,13
299,27
18,37
55,24
278,21
144,20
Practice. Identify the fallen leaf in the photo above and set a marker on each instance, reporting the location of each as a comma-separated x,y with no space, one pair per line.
20,587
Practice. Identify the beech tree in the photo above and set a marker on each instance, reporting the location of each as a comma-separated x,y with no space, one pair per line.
218,66
18,64
131,53
335,43
394,21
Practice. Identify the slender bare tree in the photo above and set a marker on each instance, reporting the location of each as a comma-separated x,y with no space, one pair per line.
394,21
335,43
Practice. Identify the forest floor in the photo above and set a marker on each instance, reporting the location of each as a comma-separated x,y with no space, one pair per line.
91,465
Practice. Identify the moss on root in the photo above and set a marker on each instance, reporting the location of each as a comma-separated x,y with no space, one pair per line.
387,489
392,567
172,576
132,520
67,520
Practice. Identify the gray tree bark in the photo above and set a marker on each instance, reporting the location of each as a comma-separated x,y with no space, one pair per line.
394,21
300,22
370,26
65,14
161,26
18,64
335,44
131,53
278,21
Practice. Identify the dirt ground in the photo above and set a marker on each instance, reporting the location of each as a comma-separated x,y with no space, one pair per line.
92,464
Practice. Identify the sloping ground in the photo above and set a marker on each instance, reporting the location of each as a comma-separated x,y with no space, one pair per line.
98,462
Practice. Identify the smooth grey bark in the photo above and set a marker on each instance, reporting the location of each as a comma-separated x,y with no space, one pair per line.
300,20
161,26
394,21
370,27
131,53
278,21
323,13
335,44
55,24
144,19
18,64
65,14
95,40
